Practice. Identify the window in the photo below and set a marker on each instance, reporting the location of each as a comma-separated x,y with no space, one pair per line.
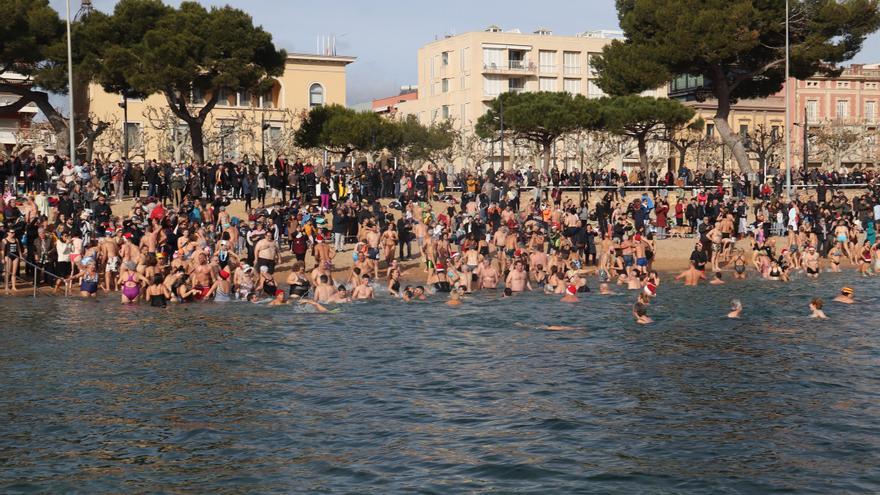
842,84
593,90
198,97
133,135
228,140
516,85
465,58
571,62
274,134
266,100
223,97
572,86
591,68
870,85
774,132
547,84
444,59
446,112
710,131
316,95
842,109
870,111
812,111
492,86
547,60
812,84
244,99
493,58
445,85
743,130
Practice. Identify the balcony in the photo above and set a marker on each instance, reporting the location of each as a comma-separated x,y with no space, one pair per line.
511,67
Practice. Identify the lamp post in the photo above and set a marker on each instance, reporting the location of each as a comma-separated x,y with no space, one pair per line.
787,106
70,89
124,106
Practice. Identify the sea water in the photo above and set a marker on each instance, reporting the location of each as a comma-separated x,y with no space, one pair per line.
388,397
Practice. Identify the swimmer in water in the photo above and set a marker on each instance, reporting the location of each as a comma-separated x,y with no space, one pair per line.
736,308
692,276
454,297
816,308
640,309
506,293
846,296
717,280
570,294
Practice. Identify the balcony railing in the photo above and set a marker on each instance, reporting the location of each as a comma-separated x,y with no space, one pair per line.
572,70
512,66
548,68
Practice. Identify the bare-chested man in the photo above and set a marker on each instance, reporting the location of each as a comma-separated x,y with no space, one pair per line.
202,275
517,279
691,276
364,290
108,255
487,274
267,253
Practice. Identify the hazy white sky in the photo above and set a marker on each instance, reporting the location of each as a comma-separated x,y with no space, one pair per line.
385,34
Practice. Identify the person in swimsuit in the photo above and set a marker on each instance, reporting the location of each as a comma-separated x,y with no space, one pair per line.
222,288
88,281
736,308
157,293
816,309
130,282
640,309
299,282
739,266
393,276
846,296
266,282
12,252
866,256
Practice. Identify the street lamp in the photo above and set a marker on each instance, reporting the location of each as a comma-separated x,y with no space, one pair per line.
70,89
84,9
124,106
787,105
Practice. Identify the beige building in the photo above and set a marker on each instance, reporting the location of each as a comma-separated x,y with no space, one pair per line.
460,75
235,126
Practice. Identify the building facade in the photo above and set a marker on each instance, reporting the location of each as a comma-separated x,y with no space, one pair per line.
390,105
18,131
846,104
460,75
235,127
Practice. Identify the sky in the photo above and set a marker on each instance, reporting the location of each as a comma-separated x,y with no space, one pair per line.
385,35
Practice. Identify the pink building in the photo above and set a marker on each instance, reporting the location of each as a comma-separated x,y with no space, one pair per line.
388,105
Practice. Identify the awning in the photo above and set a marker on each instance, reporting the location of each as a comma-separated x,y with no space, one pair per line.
7,137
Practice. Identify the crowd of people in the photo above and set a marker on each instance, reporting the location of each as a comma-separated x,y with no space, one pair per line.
513,231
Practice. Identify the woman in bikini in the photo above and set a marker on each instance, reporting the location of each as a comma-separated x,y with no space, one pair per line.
157,293
12,252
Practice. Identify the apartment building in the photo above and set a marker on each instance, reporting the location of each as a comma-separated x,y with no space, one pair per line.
235,126
851,99
458,76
